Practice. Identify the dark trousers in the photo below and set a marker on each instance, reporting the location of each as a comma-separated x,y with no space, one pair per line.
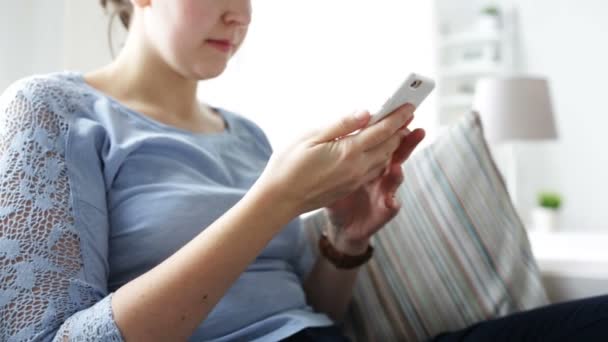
579,320
321,334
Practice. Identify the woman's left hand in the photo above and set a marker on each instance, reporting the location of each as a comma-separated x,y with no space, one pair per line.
358,216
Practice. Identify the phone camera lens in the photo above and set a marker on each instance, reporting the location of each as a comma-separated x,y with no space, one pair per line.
416,84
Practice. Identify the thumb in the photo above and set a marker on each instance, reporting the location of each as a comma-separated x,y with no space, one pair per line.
344,126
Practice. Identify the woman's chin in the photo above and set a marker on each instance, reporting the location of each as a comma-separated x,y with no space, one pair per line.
207,71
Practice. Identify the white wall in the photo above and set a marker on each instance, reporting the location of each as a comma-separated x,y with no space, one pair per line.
565,40
41,36
12,49
31,40
85,31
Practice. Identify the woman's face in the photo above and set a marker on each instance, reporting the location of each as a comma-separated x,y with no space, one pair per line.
195,37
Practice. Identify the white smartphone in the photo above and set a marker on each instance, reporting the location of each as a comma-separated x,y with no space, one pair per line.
414,90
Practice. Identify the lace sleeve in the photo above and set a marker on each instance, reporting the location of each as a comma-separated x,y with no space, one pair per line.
45,293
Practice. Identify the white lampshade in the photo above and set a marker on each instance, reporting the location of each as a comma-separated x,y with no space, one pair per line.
515,108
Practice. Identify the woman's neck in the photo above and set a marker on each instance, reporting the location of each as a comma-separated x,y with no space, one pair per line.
140,78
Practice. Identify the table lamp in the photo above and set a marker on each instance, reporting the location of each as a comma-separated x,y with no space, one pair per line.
514,109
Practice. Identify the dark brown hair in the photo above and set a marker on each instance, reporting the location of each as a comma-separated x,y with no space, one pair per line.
121,8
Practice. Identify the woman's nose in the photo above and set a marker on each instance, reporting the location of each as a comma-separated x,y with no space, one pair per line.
239,12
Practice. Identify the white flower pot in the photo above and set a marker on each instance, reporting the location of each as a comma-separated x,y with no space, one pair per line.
488,23
545,220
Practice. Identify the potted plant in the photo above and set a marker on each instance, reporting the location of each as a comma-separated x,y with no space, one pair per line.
545,215
489,19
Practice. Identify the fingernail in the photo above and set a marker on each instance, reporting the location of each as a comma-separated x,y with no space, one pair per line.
404,132
392,200
360,115
409,107
409,119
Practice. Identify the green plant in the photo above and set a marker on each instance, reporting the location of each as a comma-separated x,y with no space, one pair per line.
550,200
491,10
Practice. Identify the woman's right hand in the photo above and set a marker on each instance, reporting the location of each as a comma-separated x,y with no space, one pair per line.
327,164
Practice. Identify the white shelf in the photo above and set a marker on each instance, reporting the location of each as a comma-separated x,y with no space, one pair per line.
456,101
470,38
471,71
571,253
466,55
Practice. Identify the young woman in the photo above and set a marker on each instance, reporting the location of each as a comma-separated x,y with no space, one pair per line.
130,211
133,211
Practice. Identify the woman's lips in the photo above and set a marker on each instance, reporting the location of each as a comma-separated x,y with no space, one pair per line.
222,45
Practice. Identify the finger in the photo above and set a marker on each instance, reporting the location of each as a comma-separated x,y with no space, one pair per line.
381,167
393,179
409,121
383,153
373,174
343,126
376,134
402,140
387,168
390,184
393,203
408,145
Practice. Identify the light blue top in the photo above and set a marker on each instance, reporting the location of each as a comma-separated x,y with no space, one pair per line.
95,194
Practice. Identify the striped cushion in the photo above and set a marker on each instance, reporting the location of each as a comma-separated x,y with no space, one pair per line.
456,253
